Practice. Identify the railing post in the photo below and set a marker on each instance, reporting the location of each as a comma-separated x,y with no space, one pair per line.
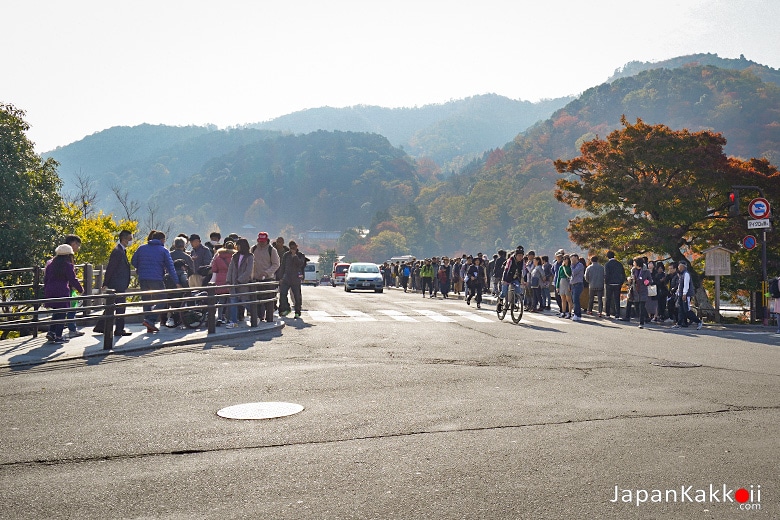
108,319
89,280
36,296
253,288
211,301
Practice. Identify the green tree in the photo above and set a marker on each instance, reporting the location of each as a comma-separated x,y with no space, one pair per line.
31,206
327,259
99,234
650,189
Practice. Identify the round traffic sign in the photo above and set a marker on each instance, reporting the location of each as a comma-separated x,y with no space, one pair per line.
749,242
759,208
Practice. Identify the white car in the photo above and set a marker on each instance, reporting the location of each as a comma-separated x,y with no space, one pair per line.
364,275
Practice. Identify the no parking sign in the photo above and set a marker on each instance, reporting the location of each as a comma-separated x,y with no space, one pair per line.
749,242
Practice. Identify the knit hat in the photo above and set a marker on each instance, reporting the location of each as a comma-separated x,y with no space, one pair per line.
63,249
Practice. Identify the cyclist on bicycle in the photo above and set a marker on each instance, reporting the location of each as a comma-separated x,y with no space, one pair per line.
513,272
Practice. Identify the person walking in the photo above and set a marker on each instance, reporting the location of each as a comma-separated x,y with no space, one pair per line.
59,280
266,264
594,275
151,261
201,261
614,278
444,275
74,241
219,270
662,291
641,278
117,277
240,273
685,292
563,287
555,267
291,273
536,278
577,285
426,276
476,281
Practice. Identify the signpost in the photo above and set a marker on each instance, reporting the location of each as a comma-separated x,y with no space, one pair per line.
749,242
717,263
760,212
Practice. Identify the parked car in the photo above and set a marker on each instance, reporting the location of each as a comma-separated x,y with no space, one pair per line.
310,274
363,275
339,271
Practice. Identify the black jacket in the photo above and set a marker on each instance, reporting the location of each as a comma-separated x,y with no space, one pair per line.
614,272
117,275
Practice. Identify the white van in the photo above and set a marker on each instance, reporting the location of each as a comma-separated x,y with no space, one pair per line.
311,273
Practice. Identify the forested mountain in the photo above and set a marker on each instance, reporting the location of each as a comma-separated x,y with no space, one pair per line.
329,180
509,193
145,158
450,133
140,160
633,68
302,171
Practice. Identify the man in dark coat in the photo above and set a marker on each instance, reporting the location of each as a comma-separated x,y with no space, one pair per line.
291,274
614,278
117,277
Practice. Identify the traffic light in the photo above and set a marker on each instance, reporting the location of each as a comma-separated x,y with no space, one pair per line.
732,202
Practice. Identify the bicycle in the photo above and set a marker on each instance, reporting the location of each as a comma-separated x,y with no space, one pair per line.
190,318
513,303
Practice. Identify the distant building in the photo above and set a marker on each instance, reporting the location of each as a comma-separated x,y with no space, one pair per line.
315,235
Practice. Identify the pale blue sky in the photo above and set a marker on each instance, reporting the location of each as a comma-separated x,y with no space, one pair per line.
80,66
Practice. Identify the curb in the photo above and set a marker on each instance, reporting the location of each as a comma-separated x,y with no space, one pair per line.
29,359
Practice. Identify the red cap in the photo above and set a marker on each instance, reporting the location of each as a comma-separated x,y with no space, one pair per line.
262,236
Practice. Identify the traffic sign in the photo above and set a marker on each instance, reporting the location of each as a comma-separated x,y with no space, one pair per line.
749,242
763,223
759,208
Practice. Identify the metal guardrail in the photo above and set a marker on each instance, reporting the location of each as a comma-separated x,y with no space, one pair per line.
188,298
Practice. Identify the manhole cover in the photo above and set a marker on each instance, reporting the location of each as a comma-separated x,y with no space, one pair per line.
675,364
249,411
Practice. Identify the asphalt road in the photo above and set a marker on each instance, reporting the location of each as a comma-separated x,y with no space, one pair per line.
414,408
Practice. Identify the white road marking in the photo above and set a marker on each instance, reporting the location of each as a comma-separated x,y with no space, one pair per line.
399,316
472,316
321,316
359,316
435,316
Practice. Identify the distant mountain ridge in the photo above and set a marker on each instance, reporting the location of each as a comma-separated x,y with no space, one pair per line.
633,68
450,133
203,177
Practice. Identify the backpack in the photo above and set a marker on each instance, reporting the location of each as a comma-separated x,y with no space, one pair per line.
774,287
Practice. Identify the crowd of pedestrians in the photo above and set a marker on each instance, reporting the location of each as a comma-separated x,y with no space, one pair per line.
655,291
231,266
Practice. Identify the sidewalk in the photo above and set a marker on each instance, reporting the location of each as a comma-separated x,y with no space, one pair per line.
24,352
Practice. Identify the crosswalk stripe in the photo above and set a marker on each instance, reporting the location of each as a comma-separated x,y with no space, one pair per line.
548,319
321,316
435,316
471,316
399,316
359,316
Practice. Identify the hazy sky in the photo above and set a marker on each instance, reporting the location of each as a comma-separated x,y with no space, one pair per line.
80,66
